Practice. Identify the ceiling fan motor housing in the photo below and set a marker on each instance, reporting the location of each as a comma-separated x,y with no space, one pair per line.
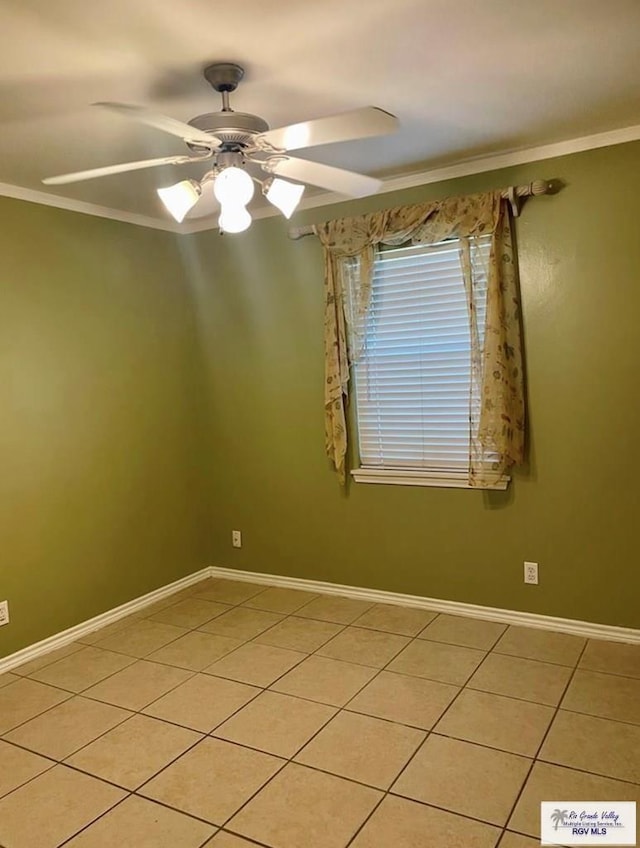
235,130
232,128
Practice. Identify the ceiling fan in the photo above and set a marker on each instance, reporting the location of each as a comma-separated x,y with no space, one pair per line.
238,144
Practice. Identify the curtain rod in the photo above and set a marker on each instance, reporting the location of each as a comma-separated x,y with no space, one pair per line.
514,194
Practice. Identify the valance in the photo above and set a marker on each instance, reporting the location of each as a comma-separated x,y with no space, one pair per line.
496,403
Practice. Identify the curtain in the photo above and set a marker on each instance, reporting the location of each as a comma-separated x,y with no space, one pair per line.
496,407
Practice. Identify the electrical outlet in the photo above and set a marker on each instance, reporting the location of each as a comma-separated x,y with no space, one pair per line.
4,612
531,573
236,538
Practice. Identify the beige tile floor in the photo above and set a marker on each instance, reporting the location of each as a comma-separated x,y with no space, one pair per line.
231,715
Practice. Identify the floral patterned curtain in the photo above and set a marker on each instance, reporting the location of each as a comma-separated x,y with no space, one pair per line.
496,405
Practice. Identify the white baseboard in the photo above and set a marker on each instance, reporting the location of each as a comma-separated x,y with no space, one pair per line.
503,616
73,633
523,619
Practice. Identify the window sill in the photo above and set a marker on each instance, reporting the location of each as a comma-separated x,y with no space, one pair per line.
439,479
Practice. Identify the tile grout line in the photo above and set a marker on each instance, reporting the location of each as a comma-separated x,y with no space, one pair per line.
192,595
44,771
428,732
71,695
130,792
533,760
227,718
136,618
293,614
224,827
267,688
93,821
136,792
67,765
81,693
544,737
422,803
286,761
308,741
345,707
502,828
244,604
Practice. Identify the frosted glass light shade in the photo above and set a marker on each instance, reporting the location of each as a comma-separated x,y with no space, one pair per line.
284,195
180,198
234,219
233,186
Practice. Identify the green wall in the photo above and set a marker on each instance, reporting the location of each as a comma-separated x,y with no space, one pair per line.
157,392
573,509
101,479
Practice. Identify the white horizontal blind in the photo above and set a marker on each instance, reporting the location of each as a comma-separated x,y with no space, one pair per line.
413,377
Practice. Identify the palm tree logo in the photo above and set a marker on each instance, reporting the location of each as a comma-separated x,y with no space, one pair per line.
559,816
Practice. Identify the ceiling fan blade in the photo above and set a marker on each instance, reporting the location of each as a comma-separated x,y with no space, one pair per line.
358,123
77,176
161,122
324,176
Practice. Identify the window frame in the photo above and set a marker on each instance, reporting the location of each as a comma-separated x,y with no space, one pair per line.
445,477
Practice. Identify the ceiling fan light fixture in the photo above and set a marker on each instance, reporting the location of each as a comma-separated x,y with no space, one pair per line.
233,186
284,195
234,141
180,198
234,218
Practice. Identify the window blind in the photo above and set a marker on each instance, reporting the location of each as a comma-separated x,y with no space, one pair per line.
413,378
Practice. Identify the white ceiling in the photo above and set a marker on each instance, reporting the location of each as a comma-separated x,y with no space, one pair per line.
465,78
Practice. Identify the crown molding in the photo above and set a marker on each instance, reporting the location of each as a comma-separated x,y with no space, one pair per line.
45,199
524,156
464,168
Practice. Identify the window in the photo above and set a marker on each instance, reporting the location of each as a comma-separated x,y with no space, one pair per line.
413,378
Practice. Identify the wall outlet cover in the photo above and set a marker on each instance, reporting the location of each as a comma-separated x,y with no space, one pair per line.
531,573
